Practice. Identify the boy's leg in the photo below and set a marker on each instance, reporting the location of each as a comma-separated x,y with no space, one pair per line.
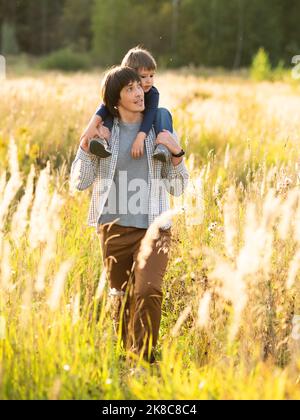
163,121
99,147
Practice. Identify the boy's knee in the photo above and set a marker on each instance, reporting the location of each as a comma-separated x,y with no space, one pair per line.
163,120
163,112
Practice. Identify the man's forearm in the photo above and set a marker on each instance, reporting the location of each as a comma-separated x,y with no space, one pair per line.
176,160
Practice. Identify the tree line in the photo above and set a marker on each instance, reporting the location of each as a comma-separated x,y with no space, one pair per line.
179,32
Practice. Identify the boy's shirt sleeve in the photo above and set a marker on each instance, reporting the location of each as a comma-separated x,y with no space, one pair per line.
151,105
103,112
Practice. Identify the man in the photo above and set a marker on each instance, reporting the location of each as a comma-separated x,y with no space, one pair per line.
123,216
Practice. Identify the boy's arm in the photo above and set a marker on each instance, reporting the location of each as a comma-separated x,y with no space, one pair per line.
91,129
151,105
102,112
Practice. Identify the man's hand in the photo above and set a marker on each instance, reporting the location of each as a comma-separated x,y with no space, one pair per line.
166,138
93,131
137,149
103,132
92,128
84,143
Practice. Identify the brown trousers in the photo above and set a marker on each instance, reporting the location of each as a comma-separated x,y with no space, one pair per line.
141,288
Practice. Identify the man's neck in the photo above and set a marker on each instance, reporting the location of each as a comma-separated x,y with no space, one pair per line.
130,117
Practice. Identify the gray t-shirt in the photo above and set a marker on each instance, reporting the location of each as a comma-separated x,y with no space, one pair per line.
128,196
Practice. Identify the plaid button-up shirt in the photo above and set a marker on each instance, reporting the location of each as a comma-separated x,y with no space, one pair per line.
88,169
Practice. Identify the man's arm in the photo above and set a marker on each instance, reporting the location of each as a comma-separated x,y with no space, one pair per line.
92,128
174,172
84,167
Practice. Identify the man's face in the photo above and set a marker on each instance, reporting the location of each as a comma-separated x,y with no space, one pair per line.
132,97
147,78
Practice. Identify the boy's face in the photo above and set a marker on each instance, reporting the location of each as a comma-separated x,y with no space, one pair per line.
147,78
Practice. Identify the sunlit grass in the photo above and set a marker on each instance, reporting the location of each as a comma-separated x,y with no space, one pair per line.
232,286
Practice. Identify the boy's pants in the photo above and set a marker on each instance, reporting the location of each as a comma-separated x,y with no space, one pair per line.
140,304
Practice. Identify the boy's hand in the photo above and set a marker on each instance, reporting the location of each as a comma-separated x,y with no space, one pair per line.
137,149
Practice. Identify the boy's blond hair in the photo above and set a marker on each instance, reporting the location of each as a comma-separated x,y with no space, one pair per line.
139,58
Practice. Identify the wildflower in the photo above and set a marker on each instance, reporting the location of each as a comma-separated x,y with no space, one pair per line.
39,220
152,234
19,220
201,384
181,319
216,189
227,156
76,309
101,284
2,328
203,310
212,226
13,184
58,284
283,185
293,270
230,210
5,266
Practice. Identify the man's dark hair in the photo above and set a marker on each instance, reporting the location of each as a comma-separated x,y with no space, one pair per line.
114,81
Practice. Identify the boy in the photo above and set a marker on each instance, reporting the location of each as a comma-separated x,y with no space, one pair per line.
144,64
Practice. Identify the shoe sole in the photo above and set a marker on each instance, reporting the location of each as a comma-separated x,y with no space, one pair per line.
160,157
98,149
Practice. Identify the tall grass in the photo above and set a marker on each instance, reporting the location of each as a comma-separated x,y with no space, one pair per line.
232,285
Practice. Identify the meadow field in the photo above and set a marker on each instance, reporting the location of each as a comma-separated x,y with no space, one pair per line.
231,311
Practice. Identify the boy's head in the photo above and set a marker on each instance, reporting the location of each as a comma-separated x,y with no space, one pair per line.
121,88
143,63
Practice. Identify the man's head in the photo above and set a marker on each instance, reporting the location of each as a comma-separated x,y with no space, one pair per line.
143,63
121,90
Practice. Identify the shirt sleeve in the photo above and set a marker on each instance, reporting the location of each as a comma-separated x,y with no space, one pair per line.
176,177
102,112
151,105
84,170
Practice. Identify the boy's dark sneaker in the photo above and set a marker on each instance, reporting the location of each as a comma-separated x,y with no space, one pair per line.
99,147
161,152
